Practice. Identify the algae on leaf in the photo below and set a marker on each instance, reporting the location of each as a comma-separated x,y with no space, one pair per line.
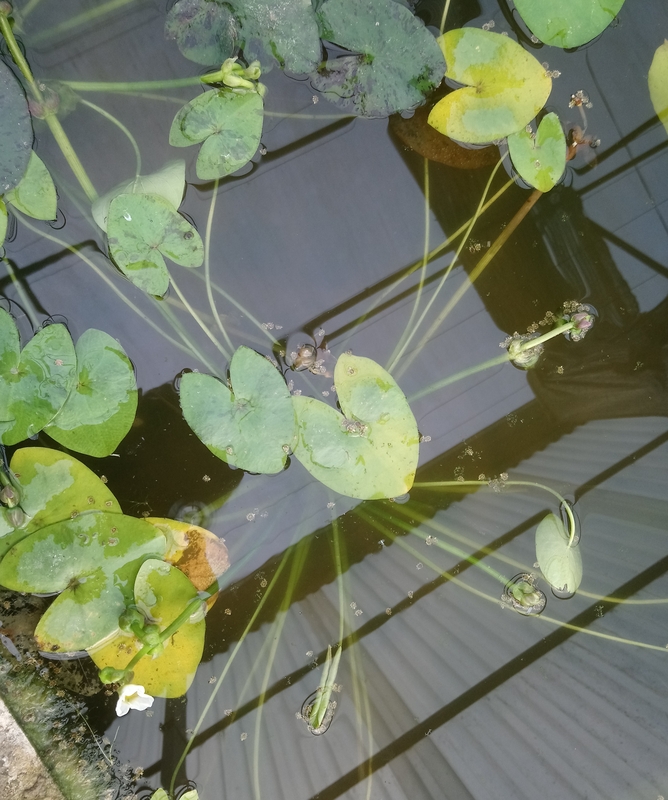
16,134
285,31
251,425
205,31
504,87
101,407
370,451
568,23
394,62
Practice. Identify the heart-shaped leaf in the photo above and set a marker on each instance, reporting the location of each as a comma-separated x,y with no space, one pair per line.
3,222
92,560
35,195
169,182
142,228
658,84
285,32
205,31
397,61
568,23
560,564
505,87
15,130
101,407
540,159
198,553
253,425
35,381
161,592
228,124
371,450
56,487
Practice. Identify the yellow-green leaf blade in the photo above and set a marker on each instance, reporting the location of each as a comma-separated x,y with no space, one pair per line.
505,87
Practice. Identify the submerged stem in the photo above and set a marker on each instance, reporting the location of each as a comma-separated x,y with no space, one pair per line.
51,119
448,307
207,264
120,125
562,500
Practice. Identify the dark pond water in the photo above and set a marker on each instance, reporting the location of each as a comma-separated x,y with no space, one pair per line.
445,693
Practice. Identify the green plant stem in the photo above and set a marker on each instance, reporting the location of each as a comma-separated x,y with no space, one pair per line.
25,300
207,264
301,552
121,87
492,362
228,664
119,125
199,320
425,260
430,256
238,306
397,355
451,578
562,500
476,272
458,376
51,119
85,18
445,16
530,343
75,251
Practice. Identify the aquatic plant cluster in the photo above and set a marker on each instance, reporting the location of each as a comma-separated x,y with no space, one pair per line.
133,593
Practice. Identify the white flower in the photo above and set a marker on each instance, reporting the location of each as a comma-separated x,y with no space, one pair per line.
132,696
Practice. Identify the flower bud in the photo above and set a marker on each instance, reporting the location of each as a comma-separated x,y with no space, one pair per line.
111,675
9,496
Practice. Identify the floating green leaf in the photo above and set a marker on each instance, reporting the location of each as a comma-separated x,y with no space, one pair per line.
658,84
205,31
286,32
15,130
505,87
142,228
35,195
568,23
100,409
34,382
52,487
160,794
540,159
161,593
228,124
372,451
169,182
92,560
560,564
397,61
3,222
253,425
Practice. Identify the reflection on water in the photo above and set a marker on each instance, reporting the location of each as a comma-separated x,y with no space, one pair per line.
444,691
